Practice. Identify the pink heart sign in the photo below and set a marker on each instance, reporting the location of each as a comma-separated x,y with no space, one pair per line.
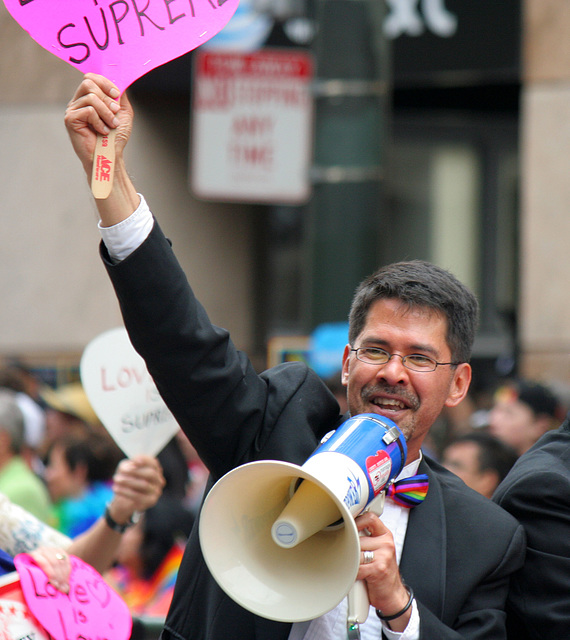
121,39
91,610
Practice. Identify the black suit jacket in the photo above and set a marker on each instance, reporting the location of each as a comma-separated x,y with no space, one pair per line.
537,493
460,548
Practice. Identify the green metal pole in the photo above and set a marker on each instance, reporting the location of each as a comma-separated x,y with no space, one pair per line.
351,104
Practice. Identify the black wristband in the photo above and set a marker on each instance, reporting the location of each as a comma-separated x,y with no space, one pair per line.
402,611
120,528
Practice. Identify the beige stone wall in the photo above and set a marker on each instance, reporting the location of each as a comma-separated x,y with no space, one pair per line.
29,74
545,191
546,45
55,294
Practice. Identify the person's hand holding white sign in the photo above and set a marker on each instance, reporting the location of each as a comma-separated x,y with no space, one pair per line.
124,396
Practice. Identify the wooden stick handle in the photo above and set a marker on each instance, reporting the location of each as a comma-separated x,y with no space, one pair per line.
103,165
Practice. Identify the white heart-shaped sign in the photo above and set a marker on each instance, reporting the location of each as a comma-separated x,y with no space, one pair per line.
124,396
121,39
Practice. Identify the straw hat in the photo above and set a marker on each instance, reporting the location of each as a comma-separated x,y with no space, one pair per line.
71,399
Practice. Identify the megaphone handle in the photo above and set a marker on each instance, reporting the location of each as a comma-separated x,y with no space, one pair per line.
358,607
358,601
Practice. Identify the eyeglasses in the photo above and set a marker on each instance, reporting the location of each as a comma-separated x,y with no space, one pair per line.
413,362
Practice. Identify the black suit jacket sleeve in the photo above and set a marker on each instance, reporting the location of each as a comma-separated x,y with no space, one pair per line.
537,493
230,413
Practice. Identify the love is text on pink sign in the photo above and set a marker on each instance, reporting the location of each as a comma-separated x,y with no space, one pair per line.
90,611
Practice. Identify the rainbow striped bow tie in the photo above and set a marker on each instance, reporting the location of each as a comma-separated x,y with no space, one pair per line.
409,492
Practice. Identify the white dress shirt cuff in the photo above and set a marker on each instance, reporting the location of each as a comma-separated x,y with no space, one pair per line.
123,238
411,632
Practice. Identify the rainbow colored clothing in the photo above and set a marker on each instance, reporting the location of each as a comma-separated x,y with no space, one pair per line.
149,597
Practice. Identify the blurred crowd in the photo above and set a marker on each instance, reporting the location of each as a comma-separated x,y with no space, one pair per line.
58,463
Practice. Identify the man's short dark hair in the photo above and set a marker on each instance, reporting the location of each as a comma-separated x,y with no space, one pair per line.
95,451
493,454
539,399
421,284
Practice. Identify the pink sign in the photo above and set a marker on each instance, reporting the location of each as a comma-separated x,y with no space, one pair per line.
91,610
121,39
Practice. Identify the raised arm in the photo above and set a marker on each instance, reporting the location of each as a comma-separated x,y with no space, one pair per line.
97,108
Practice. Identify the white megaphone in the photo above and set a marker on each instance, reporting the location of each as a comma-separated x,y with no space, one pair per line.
281,540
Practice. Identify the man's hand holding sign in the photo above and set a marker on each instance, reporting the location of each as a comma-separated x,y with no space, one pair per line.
121,40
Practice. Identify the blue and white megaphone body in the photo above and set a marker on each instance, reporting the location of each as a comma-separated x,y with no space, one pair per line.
280,539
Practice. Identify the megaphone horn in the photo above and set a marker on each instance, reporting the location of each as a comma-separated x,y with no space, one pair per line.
280,539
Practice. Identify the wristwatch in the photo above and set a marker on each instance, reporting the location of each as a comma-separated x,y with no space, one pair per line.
120,528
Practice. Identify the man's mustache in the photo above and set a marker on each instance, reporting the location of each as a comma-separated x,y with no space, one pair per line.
411,400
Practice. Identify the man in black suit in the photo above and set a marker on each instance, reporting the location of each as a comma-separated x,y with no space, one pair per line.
537,492
439,571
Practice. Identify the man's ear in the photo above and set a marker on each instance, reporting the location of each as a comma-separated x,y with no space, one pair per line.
459,385
345,365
